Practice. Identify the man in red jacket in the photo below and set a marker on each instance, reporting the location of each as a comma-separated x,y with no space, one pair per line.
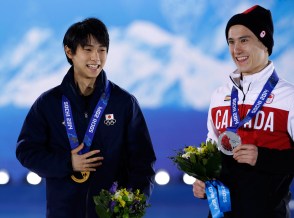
255,111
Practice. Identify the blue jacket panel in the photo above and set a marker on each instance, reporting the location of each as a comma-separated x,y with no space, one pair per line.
43,146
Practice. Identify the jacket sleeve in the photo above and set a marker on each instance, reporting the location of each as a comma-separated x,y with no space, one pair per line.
141,156
279,161
275,161
33,146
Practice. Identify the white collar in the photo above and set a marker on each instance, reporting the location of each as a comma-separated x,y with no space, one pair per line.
255,79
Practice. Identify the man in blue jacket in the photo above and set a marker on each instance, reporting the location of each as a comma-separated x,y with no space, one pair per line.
86,133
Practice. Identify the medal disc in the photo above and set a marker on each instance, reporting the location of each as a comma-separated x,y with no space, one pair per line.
227,141
80,177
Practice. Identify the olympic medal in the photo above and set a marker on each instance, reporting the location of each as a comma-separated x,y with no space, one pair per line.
227,141
80,177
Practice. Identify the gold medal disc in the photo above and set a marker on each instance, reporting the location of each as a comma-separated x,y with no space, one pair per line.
85,176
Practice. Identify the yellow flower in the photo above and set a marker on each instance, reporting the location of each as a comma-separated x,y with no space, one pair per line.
125,192
190,149
122,202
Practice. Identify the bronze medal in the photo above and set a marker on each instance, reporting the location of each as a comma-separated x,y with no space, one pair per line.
80,177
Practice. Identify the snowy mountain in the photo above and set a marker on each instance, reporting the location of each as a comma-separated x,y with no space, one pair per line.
174,61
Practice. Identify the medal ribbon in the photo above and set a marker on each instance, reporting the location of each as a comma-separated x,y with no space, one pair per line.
218,196
261,99
94,121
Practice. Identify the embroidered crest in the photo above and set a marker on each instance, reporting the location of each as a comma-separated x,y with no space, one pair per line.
109,119
270,98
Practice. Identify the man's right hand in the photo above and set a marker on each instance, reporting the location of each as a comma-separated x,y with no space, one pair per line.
83,162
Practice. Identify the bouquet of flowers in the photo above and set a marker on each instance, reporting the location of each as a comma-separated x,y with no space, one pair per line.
120,203
203,163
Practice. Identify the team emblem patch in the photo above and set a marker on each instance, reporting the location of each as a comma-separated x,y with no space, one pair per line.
109,119
270,98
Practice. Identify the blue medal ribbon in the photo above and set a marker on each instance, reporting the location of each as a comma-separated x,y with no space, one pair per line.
94,121
218,196
223,196
261,99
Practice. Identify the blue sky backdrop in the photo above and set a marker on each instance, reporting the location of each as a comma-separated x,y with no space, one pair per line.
168,53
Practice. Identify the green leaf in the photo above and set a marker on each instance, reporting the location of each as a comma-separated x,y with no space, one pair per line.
213,166
102,211
193,158
116,209
204,161
199,170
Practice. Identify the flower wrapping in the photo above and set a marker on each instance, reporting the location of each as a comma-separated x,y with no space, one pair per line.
120,203
203,162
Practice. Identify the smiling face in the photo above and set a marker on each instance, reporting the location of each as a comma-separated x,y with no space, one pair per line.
248,53
88,60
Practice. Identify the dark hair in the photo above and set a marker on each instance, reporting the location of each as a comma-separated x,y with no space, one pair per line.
79,34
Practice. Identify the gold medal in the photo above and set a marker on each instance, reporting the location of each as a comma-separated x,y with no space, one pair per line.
83,178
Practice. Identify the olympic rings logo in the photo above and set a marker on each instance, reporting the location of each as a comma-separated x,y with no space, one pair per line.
110,122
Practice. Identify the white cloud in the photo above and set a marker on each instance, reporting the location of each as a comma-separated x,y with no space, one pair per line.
158,67
32,68
31,41
150,71
183,15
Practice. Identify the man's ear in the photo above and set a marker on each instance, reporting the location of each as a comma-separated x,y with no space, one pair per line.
68,52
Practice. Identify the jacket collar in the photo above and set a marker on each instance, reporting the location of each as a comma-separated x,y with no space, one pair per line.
71,91
255,81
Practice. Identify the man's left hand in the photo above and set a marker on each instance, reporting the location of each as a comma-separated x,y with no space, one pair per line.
246,153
